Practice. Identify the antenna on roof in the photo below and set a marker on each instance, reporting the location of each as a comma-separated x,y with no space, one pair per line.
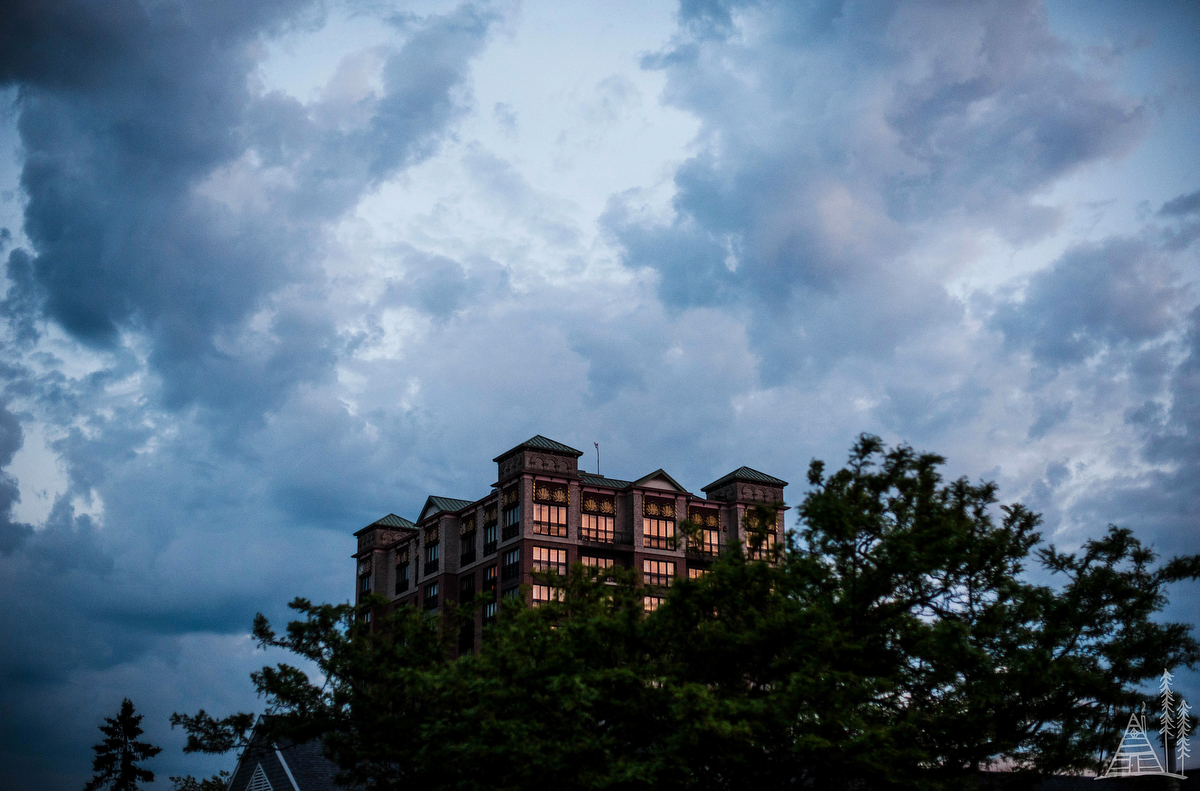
597,444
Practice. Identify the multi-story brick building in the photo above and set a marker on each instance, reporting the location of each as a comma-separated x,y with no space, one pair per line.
544,513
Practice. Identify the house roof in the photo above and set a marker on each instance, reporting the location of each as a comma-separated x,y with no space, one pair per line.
745,474
661,474
285,765
436,504
540,443
591,479
391,520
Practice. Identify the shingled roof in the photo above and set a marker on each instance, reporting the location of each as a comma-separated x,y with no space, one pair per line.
591,479
539,442
391,520
745,474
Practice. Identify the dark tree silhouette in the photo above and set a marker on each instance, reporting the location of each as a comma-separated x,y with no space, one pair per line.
115,766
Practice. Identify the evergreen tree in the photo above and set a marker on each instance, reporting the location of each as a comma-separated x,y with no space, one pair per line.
894,641
115,766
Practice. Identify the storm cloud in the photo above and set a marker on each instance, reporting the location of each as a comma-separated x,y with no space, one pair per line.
276,269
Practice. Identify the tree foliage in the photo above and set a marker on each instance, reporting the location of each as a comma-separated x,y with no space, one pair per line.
115,766
896,640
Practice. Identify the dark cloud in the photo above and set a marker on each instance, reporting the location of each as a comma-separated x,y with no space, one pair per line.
1181,206
815,164
1096,296
12,533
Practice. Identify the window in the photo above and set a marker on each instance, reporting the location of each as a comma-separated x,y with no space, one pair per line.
489,613
431,558
489,540
604,566
466,588
511,567
364,584
431,596
658,572
550,520
401,578
489,579
545,593
764,551
695,574
546,559
468,549
512,522
658,533
597,527
711,542
510,593
650,603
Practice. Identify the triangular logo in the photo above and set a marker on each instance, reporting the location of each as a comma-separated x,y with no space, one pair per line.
1135,755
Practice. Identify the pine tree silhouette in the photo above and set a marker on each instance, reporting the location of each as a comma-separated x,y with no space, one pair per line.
115,766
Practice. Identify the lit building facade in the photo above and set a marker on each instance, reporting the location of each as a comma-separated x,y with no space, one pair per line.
545,514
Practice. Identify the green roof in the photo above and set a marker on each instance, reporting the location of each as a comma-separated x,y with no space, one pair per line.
435,505
745,474
599,480
391,520
541,443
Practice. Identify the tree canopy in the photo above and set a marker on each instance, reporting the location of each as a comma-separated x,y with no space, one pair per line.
896,639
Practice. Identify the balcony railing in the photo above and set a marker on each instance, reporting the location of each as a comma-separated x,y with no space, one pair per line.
606,537
431,602
510,571
431,567
510,531
700,551
467,557
489,548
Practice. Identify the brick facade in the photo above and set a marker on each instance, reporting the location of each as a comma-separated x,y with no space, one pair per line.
551,507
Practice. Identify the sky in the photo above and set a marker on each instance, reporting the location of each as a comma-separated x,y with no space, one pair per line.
273,270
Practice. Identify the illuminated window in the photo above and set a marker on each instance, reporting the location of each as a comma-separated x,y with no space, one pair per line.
604,566
764,551
597,527
550,520
545,593
650,603
658,572
490,578
696,574
546,559
711,542
658,533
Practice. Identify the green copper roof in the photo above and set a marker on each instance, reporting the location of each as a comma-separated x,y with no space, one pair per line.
541,443
745,474
599,480
435,505
391,520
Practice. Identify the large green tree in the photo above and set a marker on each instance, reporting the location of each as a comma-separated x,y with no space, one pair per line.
897,639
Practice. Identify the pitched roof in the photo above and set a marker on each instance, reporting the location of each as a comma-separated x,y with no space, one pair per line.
591,479
745,474
391,520
541,443
437,504
659,473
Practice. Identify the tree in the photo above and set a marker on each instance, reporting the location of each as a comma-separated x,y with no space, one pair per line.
115,766
218,782
895,640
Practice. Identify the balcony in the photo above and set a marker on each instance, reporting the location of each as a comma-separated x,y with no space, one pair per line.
431,567
431,602
510,531
489,548
467,557
616,537
699,551
510,571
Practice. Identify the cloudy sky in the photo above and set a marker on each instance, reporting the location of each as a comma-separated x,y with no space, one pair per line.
275,269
